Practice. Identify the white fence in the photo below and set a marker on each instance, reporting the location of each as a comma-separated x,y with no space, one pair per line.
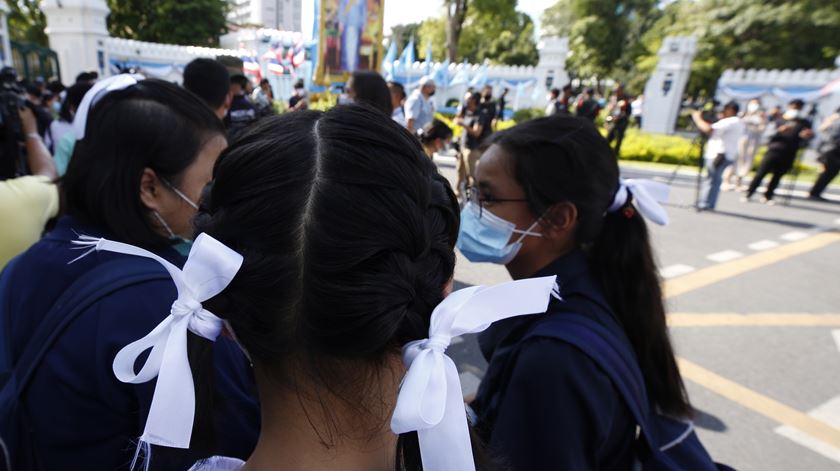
819,88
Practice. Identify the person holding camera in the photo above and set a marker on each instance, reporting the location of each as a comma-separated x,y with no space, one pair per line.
27,202
721,150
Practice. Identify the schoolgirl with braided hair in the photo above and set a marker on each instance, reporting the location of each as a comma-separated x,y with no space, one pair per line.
325,247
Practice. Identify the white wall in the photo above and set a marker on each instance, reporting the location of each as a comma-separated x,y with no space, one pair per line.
778,87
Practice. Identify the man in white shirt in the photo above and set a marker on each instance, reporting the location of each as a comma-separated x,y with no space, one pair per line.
721,151
419,108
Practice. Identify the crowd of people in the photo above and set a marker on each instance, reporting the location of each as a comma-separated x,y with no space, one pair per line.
292,275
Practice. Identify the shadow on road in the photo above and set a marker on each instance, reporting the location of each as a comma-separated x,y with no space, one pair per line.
708,421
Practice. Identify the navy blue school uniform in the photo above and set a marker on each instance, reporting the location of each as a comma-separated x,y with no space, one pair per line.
544,404
82,416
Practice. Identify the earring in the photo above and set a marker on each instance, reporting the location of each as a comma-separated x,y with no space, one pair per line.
164,224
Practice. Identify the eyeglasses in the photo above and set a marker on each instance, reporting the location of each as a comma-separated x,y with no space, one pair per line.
474,197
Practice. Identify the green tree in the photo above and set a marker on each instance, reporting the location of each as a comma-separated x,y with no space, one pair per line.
600,33
496,31
402,34
434,30
557,20
771,34
456,14
27,21
189,22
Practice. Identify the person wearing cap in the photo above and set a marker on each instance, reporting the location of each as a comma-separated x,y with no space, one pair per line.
419,107
720,152
793,131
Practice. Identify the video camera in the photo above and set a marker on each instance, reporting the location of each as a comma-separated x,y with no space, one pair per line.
11,128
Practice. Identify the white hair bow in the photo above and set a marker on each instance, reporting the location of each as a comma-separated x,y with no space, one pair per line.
430,400
99,90
209,268
648,194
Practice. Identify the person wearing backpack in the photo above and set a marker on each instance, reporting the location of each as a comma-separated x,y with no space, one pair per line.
830,156
567,389
146,150
340,294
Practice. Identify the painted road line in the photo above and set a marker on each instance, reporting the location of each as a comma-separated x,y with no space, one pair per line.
763,245
836,335
770,408
828,413
794,236
675,270
732,319
725,256
707,276
837,221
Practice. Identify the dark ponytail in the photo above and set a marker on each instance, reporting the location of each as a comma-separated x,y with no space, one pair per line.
622,260
564,159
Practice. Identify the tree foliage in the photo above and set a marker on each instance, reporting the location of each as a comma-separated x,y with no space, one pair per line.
189,22
27,21
621,38
492,30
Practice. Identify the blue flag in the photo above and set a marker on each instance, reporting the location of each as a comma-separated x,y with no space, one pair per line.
388,62
429,59
407,57
442,75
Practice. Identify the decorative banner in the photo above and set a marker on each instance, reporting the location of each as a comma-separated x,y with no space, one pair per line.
350,38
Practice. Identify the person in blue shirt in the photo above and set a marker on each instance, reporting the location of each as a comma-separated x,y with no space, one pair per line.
147,153
548,202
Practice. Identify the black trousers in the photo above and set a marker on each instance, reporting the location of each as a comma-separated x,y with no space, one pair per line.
617,133
777,162
832,168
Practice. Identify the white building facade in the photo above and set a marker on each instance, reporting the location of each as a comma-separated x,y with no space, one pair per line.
284,15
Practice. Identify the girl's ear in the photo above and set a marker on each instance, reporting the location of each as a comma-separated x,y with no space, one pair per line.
559,221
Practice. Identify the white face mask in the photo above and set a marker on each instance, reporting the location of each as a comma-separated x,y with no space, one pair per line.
753,107
792,114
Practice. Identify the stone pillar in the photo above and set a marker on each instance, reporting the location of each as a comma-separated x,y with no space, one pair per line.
551,69
664,89
77,32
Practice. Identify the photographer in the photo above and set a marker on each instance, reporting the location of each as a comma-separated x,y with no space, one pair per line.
721,150
27,202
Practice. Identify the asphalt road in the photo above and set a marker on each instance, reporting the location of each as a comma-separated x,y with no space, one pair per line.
753,295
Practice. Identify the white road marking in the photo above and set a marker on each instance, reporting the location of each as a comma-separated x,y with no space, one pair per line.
794,236
724,256
836,334
828,413
675,270
469,383
763,245
837,221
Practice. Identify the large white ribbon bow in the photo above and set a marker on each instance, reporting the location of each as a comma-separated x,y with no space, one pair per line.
208,270
648,195
430,400
99,89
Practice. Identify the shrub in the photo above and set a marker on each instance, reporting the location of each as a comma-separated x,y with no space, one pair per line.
527,114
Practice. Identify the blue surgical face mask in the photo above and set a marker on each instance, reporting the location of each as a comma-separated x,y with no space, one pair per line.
181,244
484,236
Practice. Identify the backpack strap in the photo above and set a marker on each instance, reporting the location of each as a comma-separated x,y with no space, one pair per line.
612,354
95,284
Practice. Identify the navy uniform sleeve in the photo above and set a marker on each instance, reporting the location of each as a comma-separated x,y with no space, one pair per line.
560,411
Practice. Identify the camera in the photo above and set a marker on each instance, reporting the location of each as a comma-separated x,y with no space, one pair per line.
11,128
